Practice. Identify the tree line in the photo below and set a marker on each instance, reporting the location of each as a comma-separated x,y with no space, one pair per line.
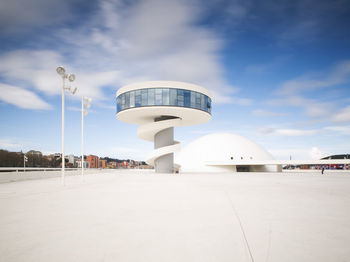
34,159
37,159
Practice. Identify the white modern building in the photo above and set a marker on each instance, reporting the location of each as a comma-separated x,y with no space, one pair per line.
224,152
227,152
157,107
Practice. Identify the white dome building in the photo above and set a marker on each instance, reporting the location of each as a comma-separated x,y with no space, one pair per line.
223,152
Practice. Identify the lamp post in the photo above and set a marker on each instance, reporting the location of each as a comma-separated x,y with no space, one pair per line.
62,72
85,105
25,159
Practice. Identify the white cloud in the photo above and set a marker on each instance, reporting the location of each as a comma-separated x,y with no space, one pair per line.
21,15
290,153
21,97
37,69
342,116
78,109
241,101
312,107
152,40
122,43
269,66
317,153
300,31
299,153
32,69
71,108
294,93
344,130
8,144
286,132
338,75
91,84
263,113
295,132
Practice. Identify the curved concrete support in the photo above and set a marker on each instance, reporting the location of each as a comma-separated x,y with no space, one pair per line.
156,153
162,133
149,130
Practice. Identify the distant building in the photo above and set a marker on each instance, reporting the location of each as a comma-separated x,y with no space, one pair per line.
76,158
102,163
86,164
343,156
93,161
112,164
71,159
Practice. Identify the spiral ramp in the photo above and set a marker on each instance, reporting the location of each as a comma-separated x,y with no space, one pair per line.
162,134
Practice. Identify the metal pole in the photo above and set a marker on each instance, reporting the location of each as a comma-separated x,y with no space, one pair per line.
82,136
24,161
63,164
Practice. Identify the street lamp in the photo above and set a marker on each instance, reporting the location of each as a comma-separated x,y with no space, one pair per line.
85,105
25,159
62,72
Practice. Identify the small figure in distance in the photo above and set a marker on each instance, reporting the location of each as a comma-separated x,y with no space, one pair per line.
322,170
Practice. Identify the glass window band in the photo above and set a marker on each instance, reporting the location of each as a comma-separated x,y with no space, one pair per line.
163,97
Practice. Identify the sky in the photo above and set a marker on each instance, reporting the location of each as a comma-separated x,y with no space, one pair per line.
279,71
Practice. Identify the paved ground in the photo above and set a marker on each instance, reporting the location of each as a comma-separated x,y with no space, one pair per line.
189,217
14,176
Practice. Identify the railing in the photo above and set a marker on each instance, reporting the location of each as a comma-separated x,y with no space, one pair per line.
13,174
25,169
22,169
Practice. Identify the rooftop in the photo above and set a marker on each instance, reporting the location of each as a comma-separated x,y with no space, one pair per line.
142,216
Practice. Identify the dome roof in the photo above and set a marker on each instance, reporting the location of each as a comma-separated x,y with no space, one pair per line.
219,147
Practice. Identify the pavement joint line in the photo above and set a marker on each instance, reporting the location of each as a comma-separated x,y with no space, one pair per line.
240,225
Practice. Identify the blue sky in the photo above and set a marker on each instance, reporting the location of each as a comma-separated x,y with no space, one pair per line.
279,71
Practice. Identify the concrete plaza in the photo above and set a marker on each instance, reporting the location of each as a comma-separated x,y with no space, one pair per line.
142,216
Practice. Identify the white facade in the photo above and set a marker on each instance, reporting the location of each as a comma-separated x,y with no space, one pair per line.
205,154
71,159
86,164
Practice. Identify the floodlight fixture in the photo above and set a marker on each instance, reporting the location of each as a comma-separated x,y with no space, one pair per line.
61,71
73,90
71,77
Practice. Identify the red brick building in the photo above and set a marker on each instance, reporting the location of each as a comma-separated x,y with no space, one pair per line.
93,160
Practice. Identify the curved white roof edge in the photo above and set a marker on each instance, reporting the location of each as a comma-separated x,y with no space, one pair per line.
238,136
142,115
165,84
